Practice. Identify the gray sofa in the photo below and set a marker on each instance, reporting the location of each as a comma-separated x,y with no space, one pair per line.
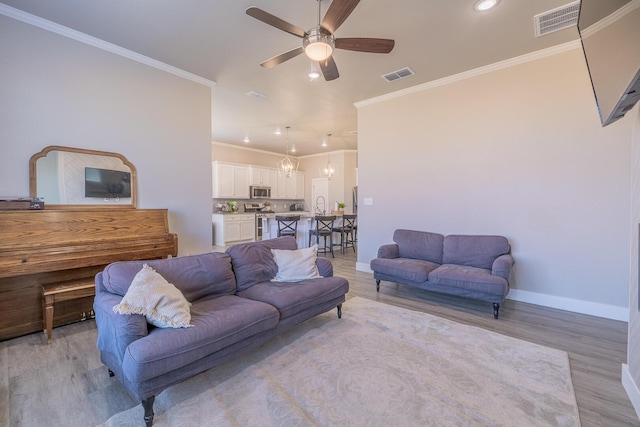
468,266
234,308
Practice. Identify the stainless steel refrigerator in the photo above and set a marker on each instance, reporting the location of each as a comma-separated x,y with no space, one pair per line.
355,200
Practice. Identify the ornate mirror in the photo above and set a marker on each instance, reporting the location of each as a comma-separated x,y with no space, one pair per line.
70,177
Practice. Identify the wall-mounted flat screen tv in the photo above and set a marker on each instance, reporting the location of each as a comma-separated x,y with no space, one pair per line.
106,184
610,35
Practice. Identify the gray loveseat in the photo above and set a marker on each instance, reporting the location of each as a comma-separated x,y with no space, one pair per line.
234,308
469,266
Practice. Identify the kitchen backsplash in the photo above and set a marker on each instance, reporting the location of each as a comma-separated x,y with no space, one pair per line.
222,205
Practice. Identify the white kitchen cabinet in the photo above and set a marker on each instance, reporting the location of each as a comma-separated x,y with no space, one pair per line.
261,176
230,180
290,187
299,185
273,182
233,228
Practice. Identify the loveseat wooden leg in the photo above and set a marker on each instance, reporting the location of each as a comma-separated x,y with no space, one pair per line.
496,308
147,405
377,285
339,311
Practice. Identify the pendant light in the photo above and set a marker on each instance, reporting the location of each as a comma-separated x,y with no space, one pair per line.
328,170
288,165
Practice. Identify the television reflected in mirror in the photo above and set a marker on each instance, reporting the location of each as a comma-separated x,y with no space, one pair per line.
106,183
610,35
59,175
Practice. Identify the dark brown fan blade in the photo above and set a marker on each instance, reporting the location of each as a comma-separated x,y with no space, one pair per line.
366,45
329,69
279,59
338,12
274,21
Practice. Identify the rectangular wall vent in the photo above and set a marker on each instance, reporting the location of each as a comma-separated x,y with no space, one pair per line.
557,19
397,75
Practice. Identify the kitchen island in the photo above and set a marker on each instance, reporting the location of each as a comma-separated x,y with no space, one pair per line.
304,225
302,237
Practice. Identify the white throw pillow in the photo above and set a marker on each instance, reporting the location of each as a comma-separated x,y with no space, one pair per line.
158,300
296,265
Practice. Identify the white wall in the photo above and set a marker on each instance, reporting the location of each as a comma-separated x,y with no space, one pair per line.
631,371
56,91
517,152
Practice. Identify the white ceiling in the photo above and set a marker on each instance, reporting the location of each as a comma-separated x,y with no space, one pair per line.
216,40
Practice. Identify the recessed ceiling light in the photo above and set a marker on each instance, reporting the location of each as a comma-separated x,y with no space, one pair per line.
278,131
483,5
246,140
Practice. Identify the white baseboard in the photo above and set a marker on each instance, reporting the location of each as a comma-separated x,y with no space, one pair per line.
363,266
577,306
631,388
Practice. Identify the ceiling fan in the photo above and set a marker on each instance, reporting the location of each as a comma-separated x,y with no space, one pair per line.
319,42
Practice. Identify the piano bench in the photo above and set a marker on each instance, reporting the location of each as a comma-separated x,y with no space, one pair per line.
63,291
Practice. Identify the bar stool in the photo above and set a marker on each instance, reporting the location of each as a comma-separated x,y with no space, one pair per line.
347,230
323,227
287,225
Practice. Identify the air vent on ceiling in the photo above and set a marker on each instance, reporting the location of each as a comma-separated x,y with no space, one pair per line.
556,19
257,95
400,74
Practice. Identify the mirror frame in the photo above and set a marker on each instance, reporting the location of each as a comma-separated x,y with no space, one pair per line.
33,178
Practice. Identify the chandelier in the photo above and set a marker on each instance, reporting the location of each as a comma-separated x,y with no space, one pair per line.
288,165
328,170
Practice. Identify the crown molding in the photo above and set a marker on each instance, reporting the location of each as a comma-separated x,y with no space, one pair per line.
51,26
324,153
255,150
277,153
608,20
533,56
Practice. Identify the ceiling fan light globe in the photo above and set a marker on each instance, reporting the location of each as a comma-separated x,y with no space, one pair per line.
318,46
318,51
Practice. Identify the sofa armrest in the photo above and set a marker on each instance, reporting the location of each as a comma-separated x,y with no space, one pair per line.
325,268
116,331
502,266
389,251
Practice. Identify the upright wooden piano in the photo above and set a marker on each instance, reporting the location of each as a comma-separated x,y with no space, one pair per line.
47,247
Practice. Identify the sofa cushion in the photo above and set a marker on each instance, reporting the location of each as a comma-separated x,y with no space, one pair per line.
293,298
195,276
296,265
218,322
253,262
468,278
474,251
161,303
414,270
419,245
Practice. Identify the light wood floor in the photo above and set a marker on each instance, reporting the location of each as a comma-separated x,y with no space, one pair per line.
596,348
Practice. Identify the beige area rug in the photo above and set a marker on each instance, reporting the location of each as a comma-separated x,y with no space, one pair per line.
377,366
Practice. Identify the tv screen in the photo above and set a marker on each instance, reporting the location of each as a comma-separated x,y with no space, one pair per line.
610,35
106,184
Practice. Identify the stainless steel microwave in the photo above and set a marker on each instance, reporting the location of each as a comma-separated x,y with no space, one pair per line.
259,192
